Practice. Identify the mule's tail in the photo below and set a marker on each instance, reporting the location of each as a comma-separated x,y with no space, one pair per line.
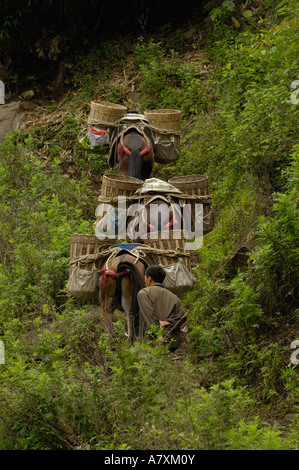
137,284
134,169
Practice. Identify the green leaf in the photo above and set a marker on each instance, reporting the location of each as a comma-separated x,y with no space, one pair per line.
247,14
228,5
236,22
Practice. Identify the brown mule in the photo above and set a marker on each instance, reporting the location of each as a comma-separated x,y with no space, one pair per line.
119,284
135,156
155,216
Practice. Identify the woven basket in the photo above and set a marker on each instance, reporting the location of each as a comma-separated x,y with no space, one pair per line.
105,112
197,185
172,243
82,245
167,119
119,185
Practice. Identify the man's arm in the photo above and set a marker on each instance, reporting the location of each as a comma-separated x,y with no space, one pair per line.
177,313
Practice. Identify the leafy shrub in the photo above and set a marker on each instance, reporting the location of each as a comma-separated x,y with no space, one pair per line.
276,260
63,387
166,81
214,415
35,237
204,342
254,436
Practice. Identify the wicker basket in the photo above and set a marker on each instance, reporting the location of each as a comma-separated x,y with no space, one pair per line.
83,245
166,119
197,185
105,113
165,248
119,185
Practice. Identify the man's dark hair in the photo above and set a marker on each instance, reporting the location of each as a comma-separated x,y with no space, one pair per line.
156,272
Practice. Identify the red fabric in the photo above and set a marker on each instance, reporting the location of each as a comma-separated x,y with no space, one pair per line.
120,150
109,273
145,151
100,133
123,149
171,224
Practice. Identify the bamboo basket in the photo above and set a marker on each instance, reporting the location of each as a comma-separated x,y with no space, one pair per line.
105,113
119,185
166,120
166,246
197,185
83,245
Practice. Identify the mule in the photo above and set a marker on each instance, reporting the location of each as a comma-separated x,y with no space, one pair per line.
155,216
119,284
135,155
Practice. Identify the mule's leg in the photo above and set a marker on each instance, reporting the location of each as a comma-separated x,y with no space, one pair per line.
107,300
126,301
130,322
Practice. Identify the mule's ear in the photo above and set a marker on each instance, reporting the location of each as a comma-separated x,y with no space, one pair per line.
112,157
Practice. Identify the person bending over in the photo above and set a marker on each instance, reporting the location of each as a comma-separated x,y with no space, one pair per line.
160,307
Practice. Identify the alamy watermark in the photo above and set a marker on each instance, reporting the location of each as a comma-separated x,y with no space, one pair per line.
295,86
140,222
2,92
294,345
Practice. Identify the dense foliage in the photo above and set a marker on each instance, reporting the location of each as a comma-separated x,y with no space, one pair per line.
234,386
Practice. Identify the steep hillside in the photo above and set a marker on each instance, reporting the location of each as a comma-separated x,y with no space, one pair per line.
234,382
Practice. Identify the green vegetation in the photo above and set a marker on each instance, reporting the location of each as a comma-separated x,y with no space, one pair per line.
234,386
